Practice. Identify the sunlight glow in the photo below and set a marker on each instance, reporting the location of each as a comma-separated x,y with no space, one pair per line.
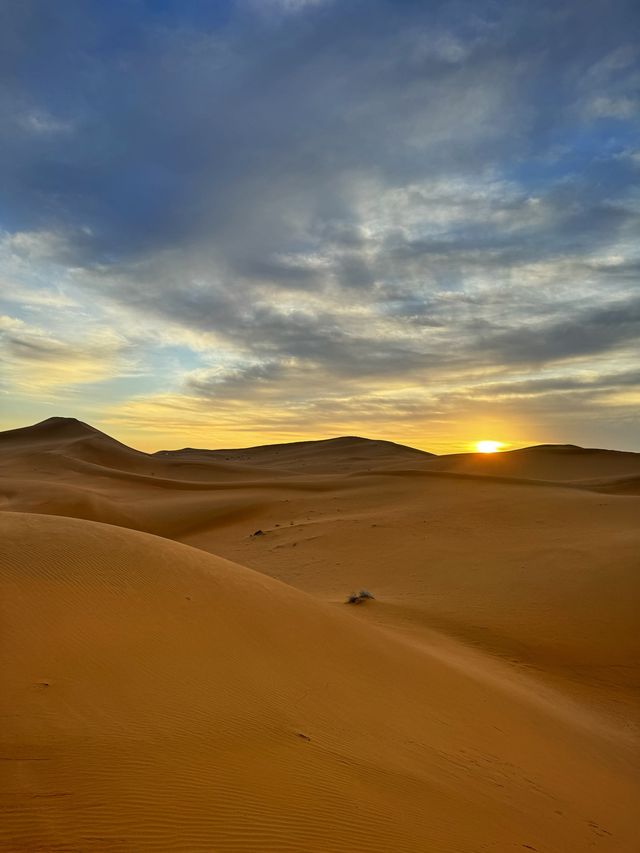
488,446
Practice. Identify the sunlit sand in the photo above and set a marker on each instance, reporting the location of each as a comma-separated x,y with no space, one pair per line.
172,681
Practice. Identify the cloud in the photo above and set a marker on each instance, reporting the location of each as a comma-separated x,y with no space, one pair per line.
590,332
586,382
36,362
370,204
43,123
289,6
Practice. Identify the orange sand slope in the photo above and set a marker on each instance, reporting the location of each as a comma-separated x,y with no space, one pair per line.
334,455
486,700
542,573
159,698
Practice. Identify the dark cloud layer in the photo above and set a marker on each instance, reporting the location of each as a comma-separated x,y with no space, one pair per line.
151,134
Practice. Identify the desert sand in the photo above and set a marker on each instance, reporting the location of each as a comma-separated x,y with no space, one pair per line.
173,681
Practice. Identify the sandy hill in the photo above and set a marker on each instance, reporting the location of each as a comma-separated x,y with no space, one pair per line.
50,431
65,443
486,700
76,442
159,698
493,562
327,456
615,485
70,438
555,462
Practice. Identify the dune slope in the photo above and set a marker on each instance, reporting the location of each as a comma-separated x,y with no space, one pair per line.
159,698
326,456
542,574
553,462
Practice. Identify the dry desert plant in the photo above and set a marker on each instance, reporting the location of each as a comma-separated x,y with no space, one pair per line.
359,597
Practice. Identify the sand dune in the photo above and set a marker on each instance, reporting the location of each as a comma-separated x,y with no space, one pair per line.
161,698
329,456
555,462
484,701
74,440
614,485
63,444
492,560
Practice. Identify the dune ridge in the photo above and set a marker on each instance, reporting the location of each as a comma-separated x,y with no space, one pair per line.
76,440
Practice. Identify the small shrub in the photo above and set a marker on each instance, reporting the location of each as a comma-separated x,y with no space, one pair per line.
359,597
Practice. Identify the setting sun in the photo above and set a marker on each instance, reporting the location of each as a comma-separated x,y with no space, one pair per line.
488,446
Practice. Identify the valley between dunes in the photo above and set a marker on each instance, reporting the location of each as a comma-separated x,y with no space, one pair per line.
172,681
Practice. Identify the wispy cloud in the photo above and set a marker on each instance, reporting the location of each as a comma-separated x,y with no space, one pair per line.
37,363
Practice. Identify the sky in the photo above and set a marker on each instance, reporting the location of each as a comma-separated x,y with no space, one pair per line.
251,221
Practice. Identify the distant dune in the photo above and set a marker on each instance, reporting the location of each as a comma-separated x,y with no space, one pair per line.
329,456
215,692
74,439
556,462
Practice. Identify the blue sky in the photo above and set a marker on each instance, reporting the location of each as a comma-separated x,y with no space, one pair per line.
238,222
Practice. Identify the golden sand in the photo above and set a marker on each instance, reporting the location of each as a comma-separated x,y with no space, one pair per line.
157,696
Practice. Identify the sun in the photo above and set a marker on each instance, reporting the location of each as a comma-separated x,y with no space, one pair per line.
488,446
